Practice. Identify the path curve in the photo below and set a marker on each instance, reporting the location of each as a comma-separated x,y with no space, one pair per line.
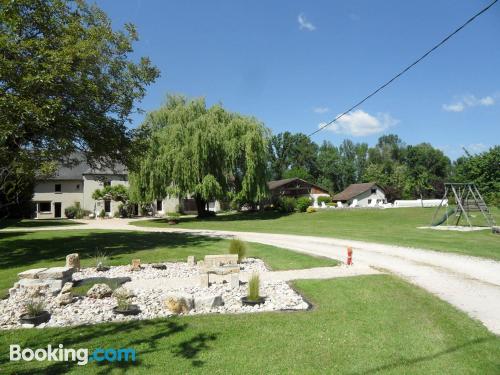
471,284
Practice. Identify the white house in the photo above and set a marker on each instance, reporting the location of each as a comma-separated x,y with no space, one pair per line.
366,195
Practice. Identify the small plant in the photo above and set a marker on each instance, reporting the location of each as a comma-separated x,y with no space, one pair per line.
102,214
34,308
326,200
310,210
173,215
238,247
254,288
100,259
122,302
332,204
303,203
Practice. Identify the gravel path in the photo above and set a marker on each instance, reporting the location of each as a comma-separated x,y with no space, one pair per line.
471,284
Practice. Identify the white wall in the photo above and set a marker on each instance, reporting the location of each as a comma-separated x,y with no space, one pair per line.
368,196
95,182
71,192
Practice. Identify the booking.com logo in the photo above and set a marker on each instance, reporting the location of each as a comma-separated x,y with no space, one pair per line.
62,354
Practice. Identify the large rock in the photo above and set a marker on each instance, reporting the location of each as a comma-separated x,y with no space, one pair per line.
99,291
53,286
56,273
66,288
179,302
208,302
31,274
73,261
64,299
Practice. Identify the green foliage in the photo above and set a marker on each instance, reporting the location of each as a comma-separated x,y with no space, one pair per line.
117,193
310,210
76,212
67,84
332,204
208,153
100,258
326,200
34,307
286,204
102,214
302,203
173,215
122,301
254,287
299,172
238,247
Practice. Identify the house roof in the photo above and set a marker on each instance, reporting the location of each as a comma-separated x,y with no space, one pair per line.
78,170
272,185
353,191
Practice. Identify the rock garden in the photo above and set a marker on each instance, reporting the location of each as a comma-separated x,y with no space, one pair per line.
71,295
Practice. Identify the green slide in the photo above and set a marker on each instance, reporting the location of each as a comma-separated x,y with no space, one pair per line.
449,212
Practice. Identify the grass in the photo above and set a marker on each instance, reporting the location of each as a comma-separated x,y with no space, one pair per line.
31,223
355,328
391,226
23,250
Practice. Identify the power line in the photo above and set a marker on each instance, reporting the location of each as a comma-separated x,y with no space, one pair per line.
405,69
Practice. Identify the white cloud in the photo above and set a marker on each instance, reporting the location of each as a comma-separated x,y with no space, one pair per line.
360,123
304,24
468,101
321,110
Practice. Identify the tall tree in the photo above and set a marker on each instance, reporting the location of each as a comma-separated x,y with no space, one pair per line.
188,149
66,84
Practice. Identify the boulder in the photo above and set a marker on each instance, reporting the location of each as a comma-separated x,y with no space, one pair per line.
235,280
31,274
37,285
99,291
73,261
208,302
179,302
66,288
56,273
123,292
204,280
64,299
136,265
191,261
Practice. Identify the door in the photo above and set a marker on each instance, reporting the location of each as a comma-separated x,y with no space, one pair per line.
57,209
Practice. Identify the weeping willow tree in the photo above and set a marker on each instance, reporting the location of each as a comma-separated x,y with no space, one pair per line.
187,149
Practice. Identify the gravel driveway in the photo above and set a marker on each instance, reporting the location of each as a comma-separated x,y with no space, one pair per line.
471,284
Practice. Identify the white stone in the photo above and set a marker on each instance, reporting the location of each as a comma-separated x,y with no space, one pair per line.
57,273
208,302
99,291
64,299
191,261
31,274
235,280
67,288
204,280
73,261
187,297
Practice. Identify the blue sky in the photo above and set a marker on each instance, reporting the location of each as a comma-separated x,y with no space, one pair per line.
296,64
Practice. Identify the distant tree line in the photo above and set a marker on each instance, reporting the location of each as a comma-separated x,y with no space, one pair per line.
404,171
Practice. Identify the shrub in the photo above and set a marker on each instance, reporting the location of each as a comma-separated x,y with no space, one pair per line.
326,200
122,301
253,288
286,204
102,214
310,210
34,307
332,204
76,212
238,247
303,203
100,258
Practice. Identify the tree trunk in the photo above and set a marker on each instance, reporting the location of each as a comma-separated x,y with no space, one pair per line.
201,205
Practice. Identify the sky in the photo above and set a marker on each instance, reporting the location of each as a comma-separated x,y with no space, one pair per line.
297,64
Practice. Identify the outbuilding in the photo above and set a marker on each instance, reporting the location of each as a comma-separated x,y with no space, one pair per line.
362,195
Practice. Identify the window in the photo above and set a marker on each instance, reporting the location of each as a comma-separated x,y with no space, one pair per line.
57,188
107,206
374,191
369,201
159,205
44,207
77,186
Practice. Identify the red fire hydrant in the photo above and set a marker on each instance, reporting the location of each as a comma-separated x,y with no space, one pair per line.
349,256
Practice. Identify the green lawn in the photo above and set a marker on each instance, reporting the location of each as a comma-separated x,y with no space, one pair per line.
31,223
355,328
22,250
390,226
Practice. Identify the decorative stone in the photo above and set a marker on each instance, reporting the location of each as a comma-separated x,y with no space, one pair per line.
31,274
36,285
99,291
56,273
66,288
208,302
136,265
220,260
73,261
12,291
123,292
159,266
191,260
64,299
179,302
219,279
235,280
200,263
204,280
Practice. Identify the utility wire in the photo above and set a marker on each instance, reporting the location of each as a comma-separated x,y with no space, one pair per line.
380,88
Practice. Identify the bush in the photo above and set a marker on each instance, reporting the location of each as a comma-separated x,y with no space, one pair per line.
286,204
303,203
332,204
102,214
34,308
253,288
76,212
326,200
310,210
238,247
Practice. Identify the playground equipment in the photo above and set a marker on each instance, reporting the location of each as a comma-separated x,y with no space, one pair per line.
468,199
